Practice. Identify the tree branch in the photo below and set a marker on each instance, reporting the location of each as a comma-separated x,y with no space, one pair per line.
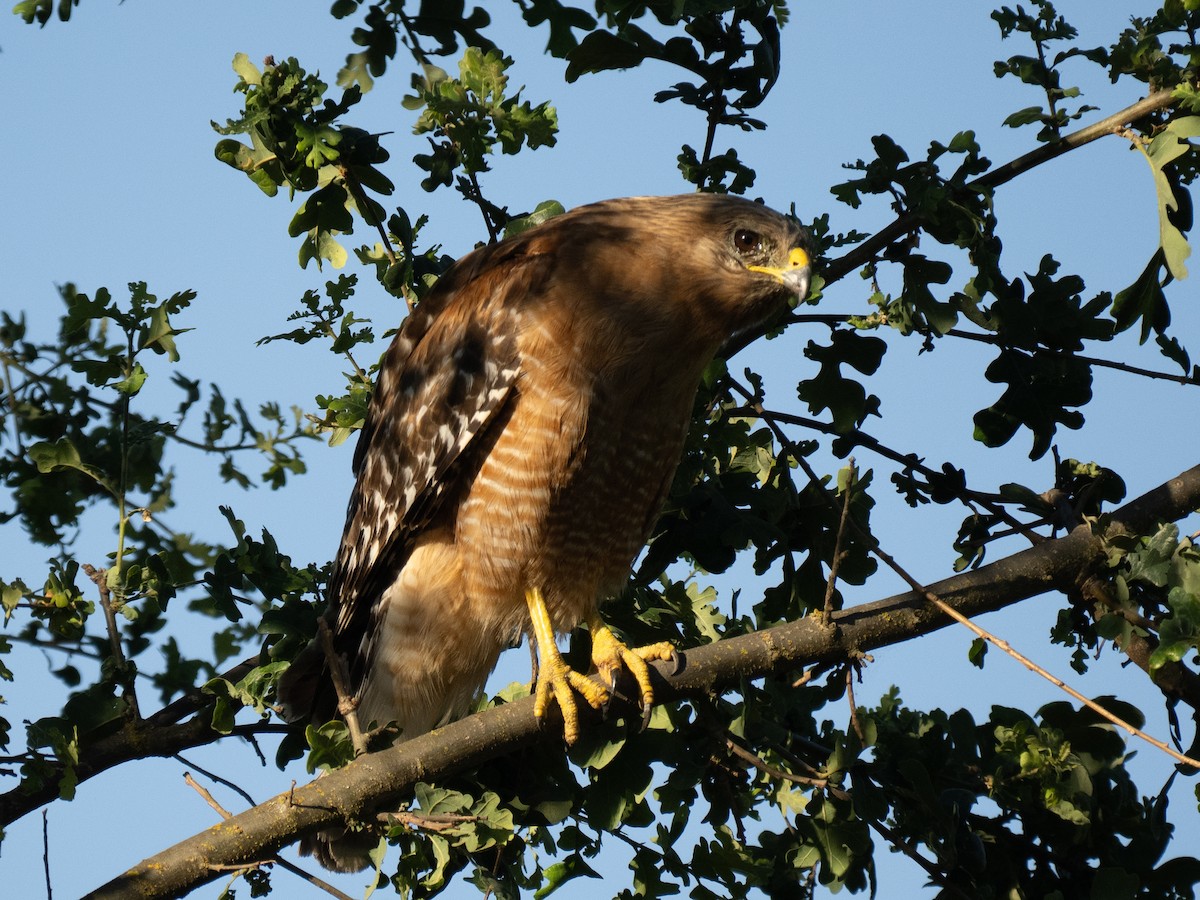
384,778
866,251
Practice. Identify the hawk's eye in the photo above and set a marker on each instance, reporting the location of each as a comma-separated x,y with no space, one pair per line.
747,242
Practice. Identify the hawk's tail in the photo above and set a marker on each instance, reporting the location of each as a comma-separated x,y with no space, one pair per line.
341,850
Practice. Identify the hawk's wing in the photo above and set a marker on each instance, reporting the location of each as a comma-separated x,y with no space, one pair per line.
450,374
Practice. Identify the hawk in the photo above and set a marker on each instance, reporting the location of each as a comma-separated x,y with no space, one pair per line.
525,427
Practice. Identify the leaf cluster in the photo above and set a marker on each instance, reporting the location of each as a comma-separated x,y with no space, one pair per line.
1045,28
295,141
468,117
1155,581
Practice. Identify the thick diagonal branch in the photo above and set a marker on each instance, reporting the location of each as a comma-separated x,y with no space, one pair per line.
384,778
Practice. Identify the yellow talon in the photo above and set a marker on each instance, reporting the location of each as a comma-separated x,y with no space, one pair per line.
555,676
610,655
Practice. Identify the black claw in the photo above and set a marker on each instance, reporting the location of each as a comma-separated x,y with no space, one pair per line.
680,662
646,711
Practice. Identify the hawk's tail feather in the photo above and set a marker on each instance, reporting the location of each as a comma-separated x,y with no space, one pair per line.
341,850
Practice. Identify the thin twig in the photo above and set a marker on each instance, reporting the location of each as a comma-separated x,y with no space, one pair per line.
854,723
834,319
996,340
208,797
767,769
414,47
772,418
195,700
275,860
931,869
312,879
805,678
839,544
426,822
327,325
874,547
217,778
46,852
99,577
238,868
347,704
837,269
5,365
364,208
1058,682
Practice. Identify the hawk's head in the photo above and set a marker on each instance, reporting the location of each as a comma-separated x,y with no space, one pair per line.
697,268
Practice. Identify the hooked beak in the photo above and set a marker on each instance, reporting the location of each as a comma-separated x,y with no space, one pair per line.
795,275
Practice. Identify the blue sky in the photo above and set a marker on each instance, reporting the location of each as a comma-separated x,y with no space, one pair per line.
111,178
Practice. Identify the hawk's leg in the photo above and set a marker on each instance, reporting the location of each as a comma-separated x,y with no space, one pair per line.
555,676
609,656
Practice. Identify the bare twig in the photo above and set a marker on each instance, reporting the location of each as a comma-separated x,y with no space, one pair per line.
426,822
364,208
99,577
208,797
238,868
347,704
855,725
162,734
312,879
1060,684
839,543
1005,646
46,852
935,601
212,776
6,363
804,678
937,875
275,860
414,45
772,419
771,771
874,547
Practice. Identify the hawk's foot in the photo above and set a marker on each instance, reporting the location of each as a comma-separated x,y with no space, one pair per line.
609,656
555,677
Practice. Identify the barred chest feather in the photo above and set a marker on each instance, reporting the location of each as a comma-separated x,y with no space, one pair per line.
568,493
